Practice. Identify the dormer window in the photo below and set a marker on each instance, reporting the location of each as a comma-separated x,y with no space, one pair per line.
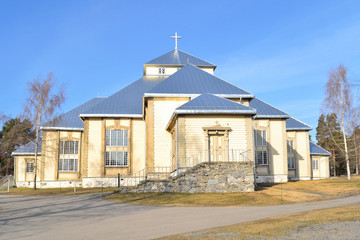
161,71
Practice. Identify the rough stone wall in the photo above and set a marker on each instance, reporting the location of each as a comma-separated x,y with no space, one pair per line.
205,177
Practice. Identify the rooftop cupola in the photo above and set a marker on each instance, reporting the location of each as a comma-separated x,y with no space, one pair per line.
170,62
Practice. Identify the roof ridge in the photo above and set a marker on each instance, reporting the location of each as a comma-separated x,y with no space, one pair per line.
301,122
196,57
220,79
272,106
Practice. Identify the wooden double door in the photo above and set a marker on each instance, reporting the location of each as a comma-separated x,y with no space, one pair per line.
216,147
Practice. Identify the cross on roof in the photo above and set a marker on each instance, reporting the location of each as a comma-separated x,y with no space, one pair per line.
176,38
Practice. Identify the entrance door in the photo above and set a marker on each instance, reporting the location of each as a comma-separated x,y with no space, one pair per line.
216,147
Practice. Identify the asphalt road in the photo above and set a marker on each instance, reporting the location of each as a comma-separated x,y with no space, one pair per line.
88,216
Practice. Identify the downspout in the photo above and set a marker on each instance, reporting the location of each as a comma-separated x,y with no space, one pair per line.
252,126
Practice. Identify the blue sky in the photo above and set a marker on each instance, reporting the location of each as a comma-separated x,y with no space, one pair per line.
281,51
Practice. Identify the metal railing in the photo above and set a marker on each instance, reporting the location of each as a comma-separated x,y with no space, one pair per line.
148,173
219,155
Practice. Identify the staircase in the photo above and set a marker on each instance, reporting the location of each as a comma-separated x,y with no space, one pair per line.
5,180
163,173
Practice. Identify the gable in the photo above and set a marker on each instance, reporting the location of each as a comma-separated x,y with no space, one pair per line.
191,80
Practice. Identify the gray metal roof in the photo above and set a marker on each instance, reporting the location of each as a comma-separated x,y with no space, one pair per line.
128,102
70,119
265,110
294,124
179,58
193,80
209,103
28,149
317,150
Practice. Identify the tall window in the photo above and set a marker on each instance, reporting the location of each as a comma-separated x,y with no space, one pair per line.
315,164
291,154
29,167
261,152
116,158
69,147
117,138
68,165
68,159
117,142
260,137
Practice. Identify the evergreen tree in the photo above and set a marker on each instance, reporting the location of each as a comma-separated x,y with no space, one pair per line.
13,134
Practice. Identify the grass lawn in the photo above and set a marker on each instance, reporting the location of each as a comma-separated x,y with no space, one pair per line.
275,226
53,191
267,194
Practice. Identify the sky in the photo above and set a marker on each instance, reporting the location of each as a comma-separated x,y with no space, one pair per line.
281,51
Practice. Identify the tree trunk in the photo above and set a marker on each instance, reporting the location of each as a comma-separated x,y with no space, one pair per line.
346,156
36,151
333,155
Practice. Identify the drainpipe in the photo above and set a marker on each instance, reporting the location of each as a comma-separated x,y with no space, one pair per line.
176,146
252,125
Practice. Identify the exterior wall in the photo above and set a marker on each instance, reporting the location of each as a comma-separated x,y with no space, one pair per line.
94,166
277,169
139,145
302,154
323,171
20,168
170,70
195,140
50,155
243,101
163,110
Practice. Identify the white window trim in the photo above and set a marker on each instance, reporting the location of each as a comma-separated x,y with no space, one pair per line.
291,154
315,164
75,150
124,159
30,168
265,159
111,133
75,164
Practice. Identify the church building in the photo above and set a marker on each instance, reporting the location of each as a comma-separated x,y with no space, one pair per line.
177,115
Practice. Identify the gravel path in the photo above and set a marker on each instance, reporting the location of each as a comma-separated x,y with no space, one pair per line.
328,231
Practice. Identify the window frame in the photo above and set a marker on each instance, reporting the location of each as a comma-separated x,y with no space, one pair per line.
290,154
112,137
315,164
29,168
260,133
123,161
66,145
75,165
264,160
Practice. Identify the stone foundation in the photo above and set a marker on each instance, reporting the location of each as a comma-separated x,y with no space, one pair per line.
205,177
49,184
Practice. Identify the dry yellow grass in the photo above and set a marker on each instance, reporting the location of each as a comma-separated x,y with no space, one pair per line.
275,226
268,194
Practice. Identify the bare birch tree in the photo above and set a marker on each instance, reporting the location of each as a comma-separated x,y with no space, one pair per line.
339,100
41,105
